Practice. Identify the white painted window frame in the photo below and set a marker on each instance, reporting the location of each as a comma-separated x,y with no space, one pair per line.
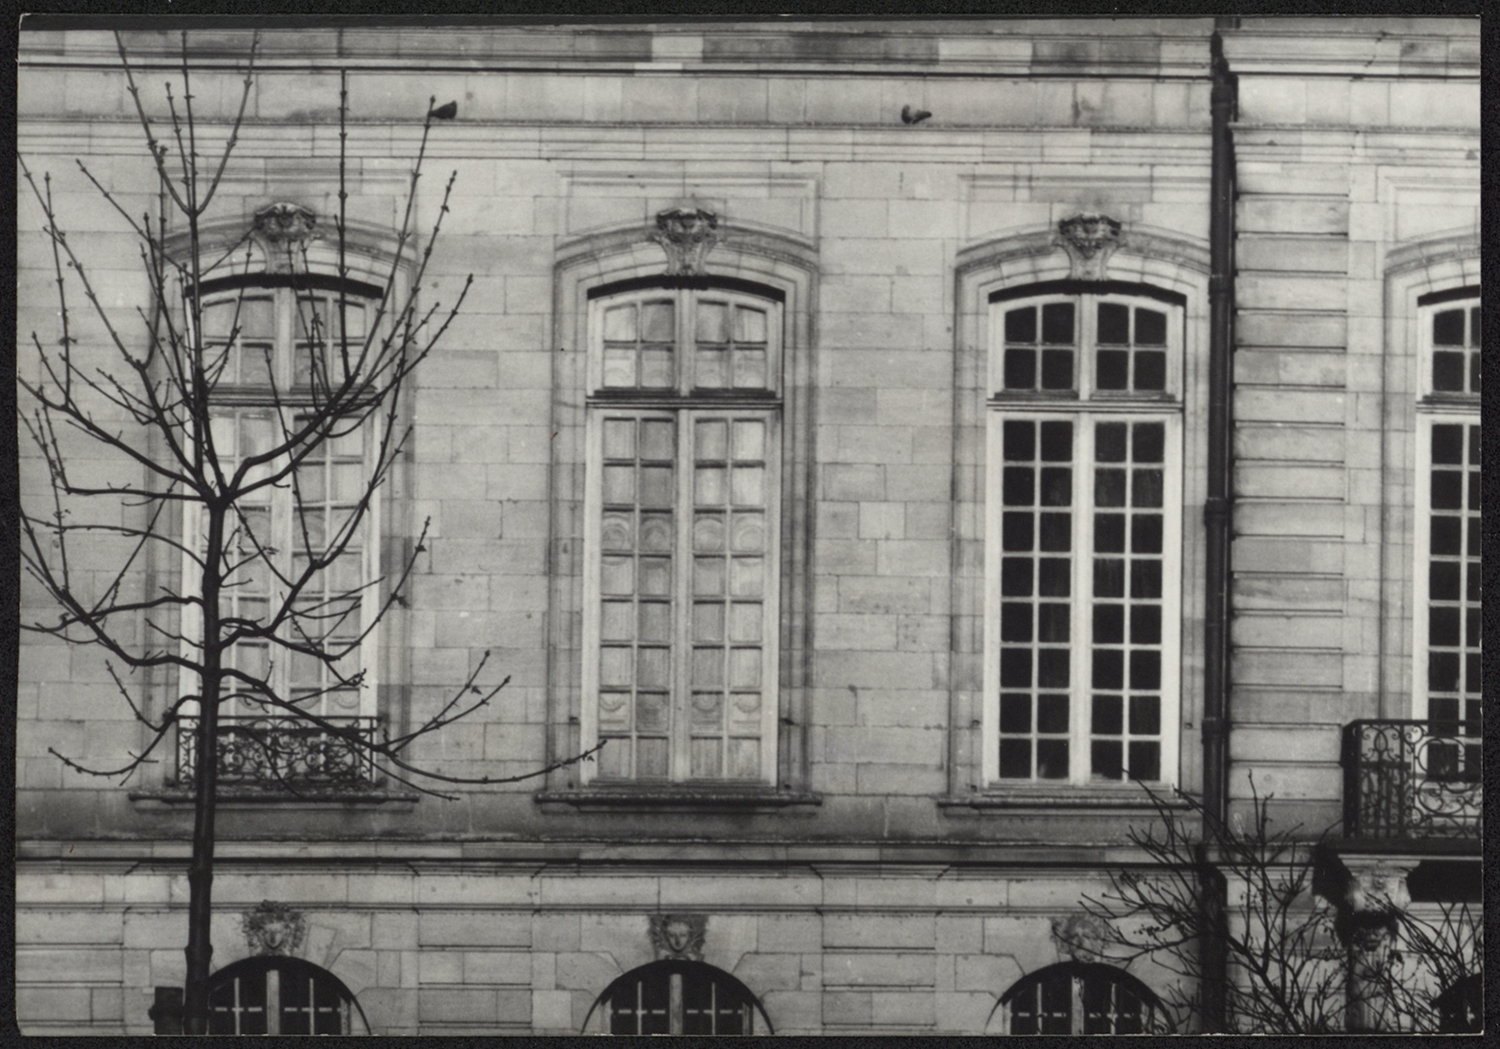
1431,410
1086,408
257,398
685,404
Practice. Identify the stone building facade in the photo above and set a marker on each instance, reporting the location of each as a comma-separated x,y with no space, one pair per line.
829,400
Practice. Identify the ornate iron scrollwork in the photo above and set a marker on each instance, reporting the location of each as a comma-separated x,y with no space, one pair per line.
283,754
1412,779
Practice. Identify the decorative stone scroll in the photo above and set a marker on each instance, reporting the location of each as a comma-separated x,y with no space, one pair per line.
1089,240
686,235
679,935
273,928
283,231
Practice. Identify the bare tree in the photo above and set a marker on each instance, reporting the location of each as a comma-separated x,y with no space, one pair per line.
1249,895
161,393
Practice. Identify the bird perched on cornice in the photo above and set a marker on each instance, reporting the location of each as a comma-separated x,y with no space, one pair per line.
445,112
913,116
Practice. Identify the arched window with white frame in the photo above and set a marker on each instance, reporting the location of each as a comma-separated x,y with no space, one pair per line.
277,995
677,997
683,575
1081,998
1448,619
275,345
1083,543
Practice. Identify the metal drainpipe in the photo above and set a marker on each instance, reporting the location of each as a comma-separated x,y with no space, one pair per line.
1217,503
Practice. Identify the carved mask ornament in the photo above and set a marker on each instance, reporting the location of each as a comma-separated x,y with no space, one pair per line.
1080,936
1089,240
679,935
283,232
686,235
273,928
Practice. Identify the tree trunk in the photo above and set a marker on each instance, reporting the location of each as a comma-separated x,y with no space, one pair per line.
200,948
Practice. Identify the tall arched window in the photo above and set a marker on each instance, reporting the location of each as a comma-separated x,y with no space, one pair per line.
1081,998
1448,540
271,994
1083,543
682,580
678,997
276,348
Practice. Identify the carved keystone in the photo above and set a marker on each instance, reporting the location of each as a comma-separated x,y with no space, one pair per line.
1089,240
679,935
686,235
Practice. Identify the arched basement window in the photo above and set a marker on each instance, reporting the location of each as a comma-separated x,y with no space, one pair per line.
271,994
1081,998
677,997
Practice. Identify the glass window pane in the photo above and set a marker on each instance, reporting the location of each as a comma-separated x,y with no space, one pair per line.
1150,327
1015,621
1057,442
1109,624
1017,531
1052,759
1149,442
657,321
1448,372
1114,323
1057,369
713,322
656,368
1020,324
1108,718
750,369
1057,322
1019,440
749,439
749,325
1113,369
1150,370
710,369
1448,328
619,323
1020,369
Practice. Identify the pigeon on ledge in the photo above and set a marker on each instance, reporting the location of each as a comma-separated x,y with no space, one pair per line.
913,116
445,112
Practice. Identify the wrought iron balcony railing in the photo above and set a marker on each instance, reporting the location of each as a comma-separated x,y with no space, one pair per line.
1412,780
283,755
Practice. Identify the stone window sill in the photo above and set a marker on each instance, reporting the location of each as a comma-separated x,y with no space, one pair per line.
1058,798
674,799
169,799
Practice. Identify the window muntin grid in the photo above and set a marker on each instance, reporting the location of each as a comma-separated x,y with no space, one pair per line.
1084,541
1085,346
686,341
1448,621
1450,616
262,338
1073,999
683,493
685,594
1083,610
258,996
679,998
262,344
1455,349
